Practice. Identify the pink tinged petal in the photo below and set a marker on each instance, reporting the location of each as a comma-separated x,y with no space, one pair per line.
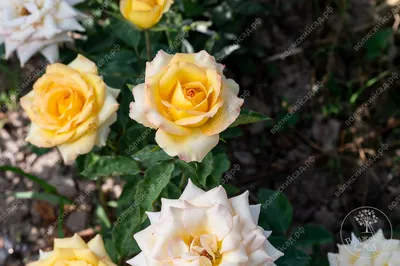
113,92
160,61
333,259
177,247
168,204
260,257
138,107
145,239
70,24
236,257
204,59
83,64
241,207
220,221
255,212
234,238
104,131
51,53
153,216
26,51
139,260
254,240
83,145
65,10
228,113
214,196
191,191
189,148
271,250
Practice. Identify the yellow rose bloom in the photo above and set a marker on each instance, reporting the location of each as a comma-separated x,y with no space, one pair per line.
144,13
74,251
71,108
187,98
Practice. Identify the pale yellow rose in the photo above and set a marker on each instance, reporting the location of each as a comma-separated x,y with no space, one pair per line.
74,251
375,251
70,107
144,13
205,229
187,98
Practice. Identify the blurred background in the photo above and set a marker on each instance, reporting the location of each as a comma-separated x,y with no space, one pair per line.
324,71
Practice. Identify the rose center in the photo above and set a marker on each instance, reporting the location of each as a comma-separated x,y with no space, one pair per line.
24,12
206,246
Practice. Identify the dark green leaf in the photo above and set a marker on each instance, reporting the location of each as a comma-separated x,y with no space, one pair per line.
276,211
314,235
221,165
124,229
125,31
156,179
111,166
249,117
150,155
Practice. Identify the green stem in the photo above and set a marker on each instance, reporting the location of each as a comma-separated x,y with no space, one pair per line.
148,44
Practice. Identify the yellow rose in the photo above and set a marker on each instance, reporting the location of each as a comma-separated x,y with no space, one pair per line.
70,107
189,100
144,13
74,251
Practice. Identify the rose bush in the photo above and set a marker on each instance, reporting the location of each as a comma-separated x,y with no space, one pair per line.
144,14
74,251
31,26
71,107
205,228
187,98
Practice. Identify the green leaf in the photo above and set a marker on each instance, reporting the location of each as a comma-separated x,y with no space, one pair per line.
124,229
171,191
150,155
205,169
293,256
46,186
111,166
377,44
53,199
125,31
221,165
276,211
128,194
155,180
314,235
249,117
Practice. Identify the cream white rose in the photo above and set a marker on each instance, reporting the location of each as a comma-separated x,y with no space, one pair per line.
205,229
32,26
187,98
376,251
